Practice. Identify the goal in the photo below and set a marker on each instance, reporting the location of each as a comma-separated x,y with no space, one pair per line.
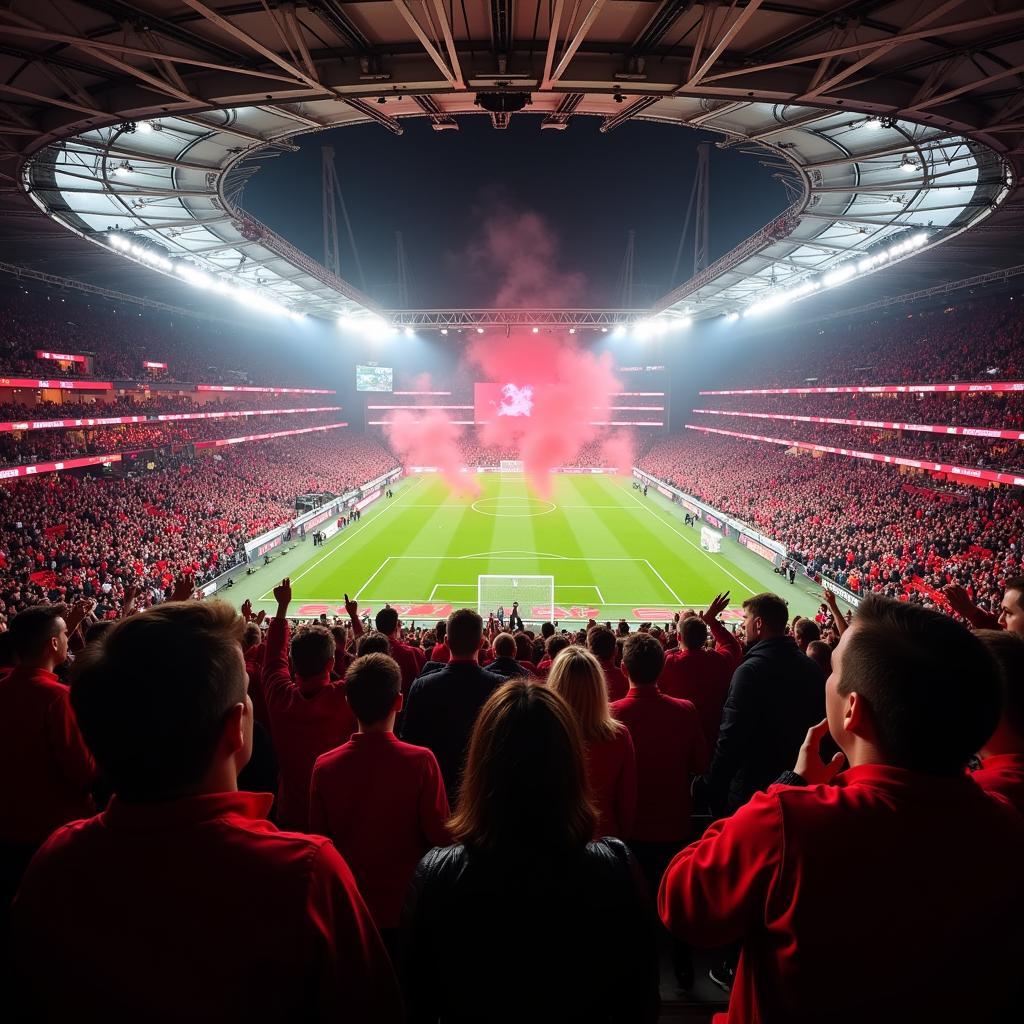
511,467
535,594
710,540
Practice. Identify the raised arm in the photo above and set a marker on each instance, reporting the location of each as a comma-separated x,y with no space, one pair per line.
842,623
352,607
725,643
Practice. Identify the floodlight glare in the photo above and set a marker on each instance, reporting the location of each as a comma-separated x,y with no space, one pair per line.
536,330
410,333
479,330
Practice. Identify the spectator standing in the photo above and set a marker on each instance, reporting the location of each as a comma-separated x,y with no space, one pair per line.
601,641
308,713
410,659
525,876
577,678
868,854
698,675
380,801
181,887
504,663
442,706
440,652
776,695
1011,608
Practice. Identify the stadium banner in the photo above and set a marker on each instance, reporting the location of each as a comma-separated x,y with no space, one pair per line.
113,421
718,519
57,467
329,531
841,592
58,385
879,389
368,499
105,421
170,417
61,357
220,442
263,390
259,546
928,428
311,520
148,364
497,469
991,475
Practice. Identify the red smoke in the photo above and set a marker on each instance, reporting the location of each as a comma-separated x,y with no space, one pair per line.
619,451
429,438
572,389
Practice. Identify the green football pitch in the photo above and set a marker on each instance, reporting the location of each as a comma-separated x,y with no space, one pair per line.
612,553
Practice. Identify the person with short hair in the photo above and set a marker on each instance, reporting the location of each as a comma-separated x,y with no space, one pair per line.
554,643
46,771
524,652
526,875
442,706
577,678
504,663
373,642
439,652
410,659
308,712
1011,609
180,899
601,642
1002,755
888,849
821,654
805,632
381,801
698,675
776,694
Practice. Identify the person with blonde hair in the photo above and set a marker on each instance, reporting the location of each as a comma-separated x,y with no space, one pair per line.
526,918
577,677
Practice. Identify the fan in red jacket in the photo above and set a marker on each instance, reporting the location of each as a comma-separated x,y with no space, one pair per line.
180,900
1002,757
381,801
694,673
601,641
892,891
308,715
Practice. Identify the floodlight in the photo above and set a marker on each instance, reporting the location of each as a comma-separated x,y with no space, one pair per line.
410,333
143,127
732,317
536,330
479,330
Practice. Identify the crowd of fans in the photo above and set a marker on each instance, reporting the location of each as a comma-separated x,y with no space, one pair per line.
153,403
259,820
65,538
863,525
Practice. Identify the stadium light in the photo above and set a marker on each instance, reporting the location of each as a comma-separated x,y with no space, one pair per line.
909,166
536,330
143,127
732,317
572,330
410,333
123,169
479,330
444,330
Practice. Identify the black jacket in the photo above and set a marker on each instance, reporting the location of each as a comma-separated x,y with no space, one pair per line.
777,693
529,938
440,712
507,668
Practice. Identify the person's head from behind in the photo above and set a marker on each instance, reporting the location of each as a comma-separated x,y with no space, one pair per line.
525,784
524,647
465,634
312,651
40,636
764,616
440,631
577,678
504,646
555,643
98,630
642,659
805,632
373,688
1008,651
167,727
386,620
1011,608
601,641
372,642
693,633
821,654
547,629
910,688
252,636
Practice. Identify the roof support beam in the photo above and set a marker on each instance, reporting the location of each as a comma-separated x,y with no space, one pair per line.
449,42
574,43
727,37
945,97
432,51
549,56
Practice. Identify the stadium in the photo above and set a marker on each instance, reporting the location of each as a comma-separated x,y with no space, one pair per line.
512,511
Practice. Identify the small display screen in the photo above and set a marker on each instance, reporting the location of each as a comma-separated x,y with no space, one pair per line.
375,378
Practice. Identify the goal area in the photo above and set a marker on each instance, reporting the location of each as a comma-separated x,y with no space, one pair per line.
535,595
511,467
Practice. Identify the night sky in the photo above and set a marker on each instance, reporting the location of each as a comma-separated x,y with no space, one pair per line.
439,188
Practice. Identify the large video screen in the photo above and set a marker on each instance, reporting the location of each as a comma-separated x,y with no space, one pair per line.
375,378
493,401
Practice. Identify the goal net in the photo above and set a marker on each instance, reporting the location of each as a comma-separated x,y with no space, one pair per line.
511,467
710,540
535,594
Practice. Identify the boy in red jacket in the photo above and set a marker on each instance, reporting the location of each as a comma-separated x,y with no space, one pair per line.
890,891
181,901
381,801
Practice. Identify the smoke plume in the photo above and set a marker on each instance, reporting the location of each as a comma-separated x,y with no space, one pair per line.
429,438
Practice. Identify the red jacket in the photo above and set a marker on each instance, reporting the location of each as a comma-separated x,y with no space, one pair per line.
302,726
703,678
410,661
617,683
888,896
383,804
611,771
441,653
45,768
197,909
669,747
1003,774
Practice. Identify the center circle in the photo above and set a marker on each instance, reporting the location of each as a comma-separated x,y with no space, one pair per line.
498,508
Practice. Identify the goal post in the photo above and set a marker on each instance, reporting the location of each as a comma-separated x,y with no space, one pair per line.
535,594
511,467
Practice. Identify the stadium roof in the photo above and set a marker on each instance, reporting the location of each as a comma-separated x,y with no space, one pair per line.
893,124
